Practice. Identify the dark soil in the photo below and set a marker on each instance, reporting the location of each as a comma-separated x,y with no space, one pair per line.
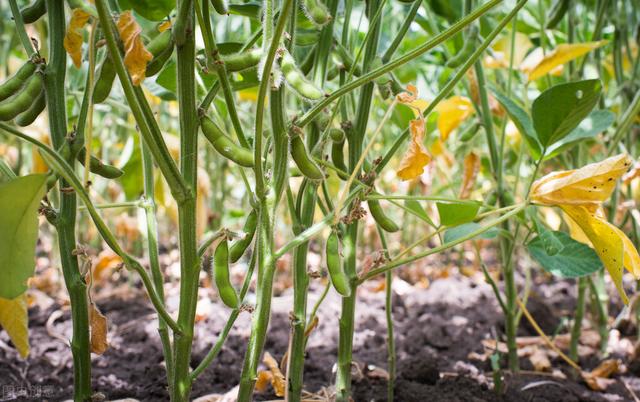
436,330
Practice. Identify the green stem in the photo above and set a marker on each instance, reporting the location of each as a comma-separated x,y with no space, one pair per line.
577,319
388,308
189,260
22,33
65,224
411,15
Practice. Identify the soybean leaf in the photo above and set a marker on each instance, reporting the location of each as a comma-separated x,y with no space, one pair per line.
14,319
597,122
19,202
466,228
456,213
559,109
574,260
415,206
522,121
153,10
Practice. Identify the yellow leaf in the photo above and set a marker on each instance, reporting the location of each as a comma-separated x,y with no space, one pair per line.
470,173
590,184
73,37
136,56
502,51
164,26
98,324
410,98
416,158
561,55
451,113
263,380
14,318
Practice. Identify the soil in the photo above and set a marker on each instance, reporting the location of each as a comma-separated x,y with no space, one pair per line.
436,330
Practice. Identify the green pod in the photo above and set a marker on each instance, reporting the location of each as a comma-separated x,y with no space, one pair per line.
239,246
251,10
297,80
225,145
467,49
220,6
33,11
21,101
15,82
28,116
306,38
381,218
339,279
96,166
104,82
242,61
316,12
161,47
407,1
333,73
557,13
303,161
336,134
337,158
226,291
346,59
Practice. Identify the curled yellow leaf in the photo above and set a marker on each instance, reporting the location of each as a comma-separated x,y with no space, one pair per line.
15,320
469,174
136,56
417,157
73,37
562,54
590,184
278,381
451,113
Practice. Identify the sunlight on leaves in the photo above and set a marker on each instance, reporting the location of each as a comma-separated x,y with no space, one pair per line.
14,319
136,56
73,36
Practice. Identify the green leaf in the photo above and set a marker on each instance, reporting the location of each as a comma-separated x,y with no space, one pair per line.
19,203
574,260
456,213
464,229
559,109
522,121
153,10
597,122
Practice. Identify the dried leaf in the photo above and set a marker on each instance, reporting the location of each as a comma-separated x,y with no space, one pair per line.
73,36
136,56
632,174
540,360
410,98
106,261
263,380
451,113
598,378
470,174
562,54
417,157
14,319
98,324
278,381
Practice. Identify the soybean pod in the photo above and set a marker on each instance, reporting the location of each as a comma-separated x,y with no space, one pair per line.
316,12
337,152
33,11
21,101
15,82
243,60
225,145
98,167
28,116
226,290
104,82
220,6
302,159
297,80
239,246
161,47
339,279
467,49
557,13
381,218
